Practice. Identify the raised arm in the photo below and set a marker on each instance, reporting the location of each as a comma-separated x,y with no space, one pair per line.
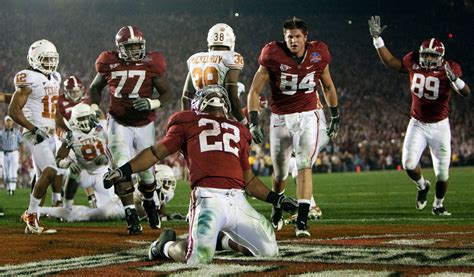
385,55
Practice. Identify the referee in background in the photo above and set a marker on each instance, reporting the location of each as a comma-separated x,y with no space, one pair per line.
10,140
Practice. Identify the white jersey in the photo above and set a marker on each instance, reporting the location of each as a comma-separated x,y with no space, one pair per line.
88,146
210,68
40,108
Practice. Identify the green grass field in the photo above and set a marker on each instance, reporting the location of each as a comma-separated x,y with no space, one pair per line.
368,198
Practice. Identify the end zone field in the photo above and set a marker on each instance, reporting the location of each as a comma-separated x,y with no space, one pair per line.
370,227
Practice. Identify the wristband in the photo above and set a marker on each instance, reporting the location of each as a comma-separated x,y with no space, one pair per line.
458,84
253,115
378,42
154,103
126,170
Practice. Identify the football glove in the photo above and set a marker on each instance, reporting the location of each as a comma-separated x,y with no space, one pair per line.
146,104
287,204
257,133
374,26
450,73
111,177
75,168
101,160
40,135
333,128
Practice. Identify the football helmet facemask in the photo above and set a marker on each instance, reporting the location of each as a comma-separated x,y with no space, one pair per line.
430,47
73,88
43,56
221,34
212,95
165,181
130,44
82,118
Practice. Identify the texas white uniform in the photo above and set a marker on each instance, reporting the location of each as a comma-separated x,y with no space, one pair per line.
40,110
210,68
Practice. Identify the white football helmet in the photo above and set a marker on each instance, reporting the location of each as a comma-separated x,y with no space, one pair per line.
43,56
165,181
82,117
221,34
212,95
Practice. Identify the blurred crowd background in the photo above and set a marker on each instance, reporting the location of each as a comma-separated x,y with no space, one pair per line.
374,101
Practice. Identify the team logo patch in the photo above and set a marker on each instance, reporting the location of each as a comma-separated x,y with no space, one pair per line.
55,77
284,67
315,57
114,65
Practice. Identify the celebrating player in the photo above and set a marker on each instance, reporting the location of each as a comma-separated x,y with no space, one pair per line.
131,74
432,79
294,68
33,106
219,66
218,201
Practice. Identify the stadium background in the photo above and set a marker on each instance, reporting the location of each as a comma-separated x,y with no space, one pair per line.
374,101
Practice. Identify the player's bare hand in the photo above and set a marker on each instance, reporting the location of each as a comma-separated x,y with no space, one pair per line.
374,26
142,104
287,204
333,128
257,133
101,160
40,135
111,178
450,73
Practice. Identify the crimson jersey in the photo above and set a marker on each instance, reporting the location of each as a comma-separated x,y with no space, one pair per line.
430,89
294,86
65,106
128,81
216,148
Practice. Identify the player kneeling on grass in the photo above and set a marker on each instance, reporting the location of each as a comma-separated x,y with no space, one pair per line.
217,150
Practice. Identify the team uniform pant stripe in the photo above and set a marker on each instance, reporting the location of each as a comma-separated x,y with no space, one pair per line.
192,214
317,137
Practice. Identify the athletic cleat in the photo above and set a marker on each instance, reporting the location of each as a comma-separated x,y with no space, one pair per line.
421,197
33,226
134,227
315,213
277,218
156,248
152,213
440,211
301,230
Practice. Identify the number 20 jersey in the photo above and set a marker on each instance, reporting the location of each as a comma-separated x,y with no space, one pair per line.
293,85
210,68
430,89
129,80
216,148
40,108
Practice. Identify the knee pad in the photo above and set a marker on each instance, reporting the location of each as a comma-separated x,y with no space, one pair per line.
442,176
409,164
124,188
303,161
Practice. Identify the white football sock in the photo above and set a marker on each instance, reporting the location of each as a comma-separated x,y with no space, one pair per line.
420,184
34,205
438,202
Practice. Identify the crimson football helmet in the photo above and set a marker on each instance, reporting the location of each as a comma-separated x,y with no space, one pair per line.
431,46
130,44
73,88
212,95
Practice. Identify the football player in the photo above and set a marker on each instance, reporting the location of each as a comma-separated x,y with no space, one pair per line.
220,65
33,106
131,74
294,68
432,81
218,201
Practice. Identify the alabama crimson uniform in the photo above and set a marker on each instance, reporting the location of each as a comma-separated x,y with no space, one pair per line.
294,85
128,81
65,106
429,123
297,121
430,89
217,151
210,68
40,110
